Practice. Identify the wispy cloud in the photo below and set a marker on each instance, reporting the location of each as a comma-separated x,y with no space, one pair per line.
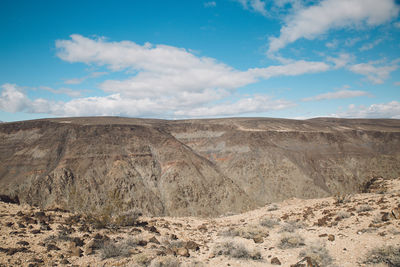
257,6
371,45
315,20
341,94
210,4
376,74
82,79
65,91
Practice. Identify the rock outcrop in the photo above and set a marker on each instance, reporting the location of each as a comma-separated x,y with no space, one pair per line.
191,167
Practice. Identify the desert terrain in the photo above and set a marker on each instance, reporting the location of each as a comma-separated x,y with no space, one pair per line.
113,191
349,230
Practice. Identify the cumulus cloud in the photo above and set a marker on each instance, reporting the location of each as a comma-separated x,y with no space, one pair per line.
376,74
382,110
14,99
165,81
312,21
254,5
337,95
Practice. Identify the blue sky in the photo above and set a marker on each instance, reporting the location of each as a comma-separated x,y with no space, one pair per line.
198,59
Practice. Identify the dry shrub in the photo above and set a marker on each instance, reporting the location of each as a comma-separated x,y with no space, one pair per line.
272,207
269,222
341,198
122,248
318,254
168,261
342,215
236,250
389,255
127,218
248,232
291,241
291,226
364,208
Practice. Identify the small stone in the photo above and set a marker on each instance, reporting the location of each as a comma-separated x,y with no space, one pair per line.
192,245
258,239
142,243
64,261
331,238
36,231
385,217
275,261
154,240
396,213
183,252
78,241
77,252
51,247
88,251
23,243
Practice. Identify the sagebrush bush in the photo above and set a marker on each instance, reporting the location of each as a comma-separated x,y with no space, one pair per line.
364,208
168,261
386,254
318,254
291,241
272,207
236,250
248,232
342,215
269,222
291,226
122,248
341,198
127,218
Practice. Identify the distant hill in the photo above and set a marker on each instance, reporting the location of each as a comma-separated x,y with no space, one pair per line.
191,167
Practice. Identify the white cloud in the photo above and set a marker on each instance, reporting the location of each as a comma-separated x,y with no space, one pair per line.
14,99
313,21
383,110
82,79
254,5
165,82
210,4
65,91
369,46
376,74
397,83
256,104
341,61
397,25
337,95
333,44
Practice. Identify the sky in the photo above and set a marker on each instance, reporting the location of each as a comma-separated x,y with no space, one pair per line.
172,59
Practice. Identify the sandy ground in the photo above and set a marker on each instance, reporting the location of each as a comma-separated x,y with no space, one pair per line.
345,231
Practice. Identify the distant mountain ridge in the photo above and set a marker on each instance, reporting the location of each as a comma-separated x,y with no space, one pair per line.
202,167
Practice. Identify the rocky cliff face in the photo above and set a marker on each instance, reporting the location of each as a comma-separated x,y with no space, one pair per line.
191,167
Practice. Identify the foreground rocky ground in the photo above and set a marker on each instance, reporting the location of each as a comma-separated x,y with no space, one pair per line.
346,230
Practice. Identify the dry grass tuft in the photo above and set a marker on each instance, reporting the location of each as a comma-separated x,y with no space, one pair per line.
236,250
269,222
318,254
387,254
291,241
